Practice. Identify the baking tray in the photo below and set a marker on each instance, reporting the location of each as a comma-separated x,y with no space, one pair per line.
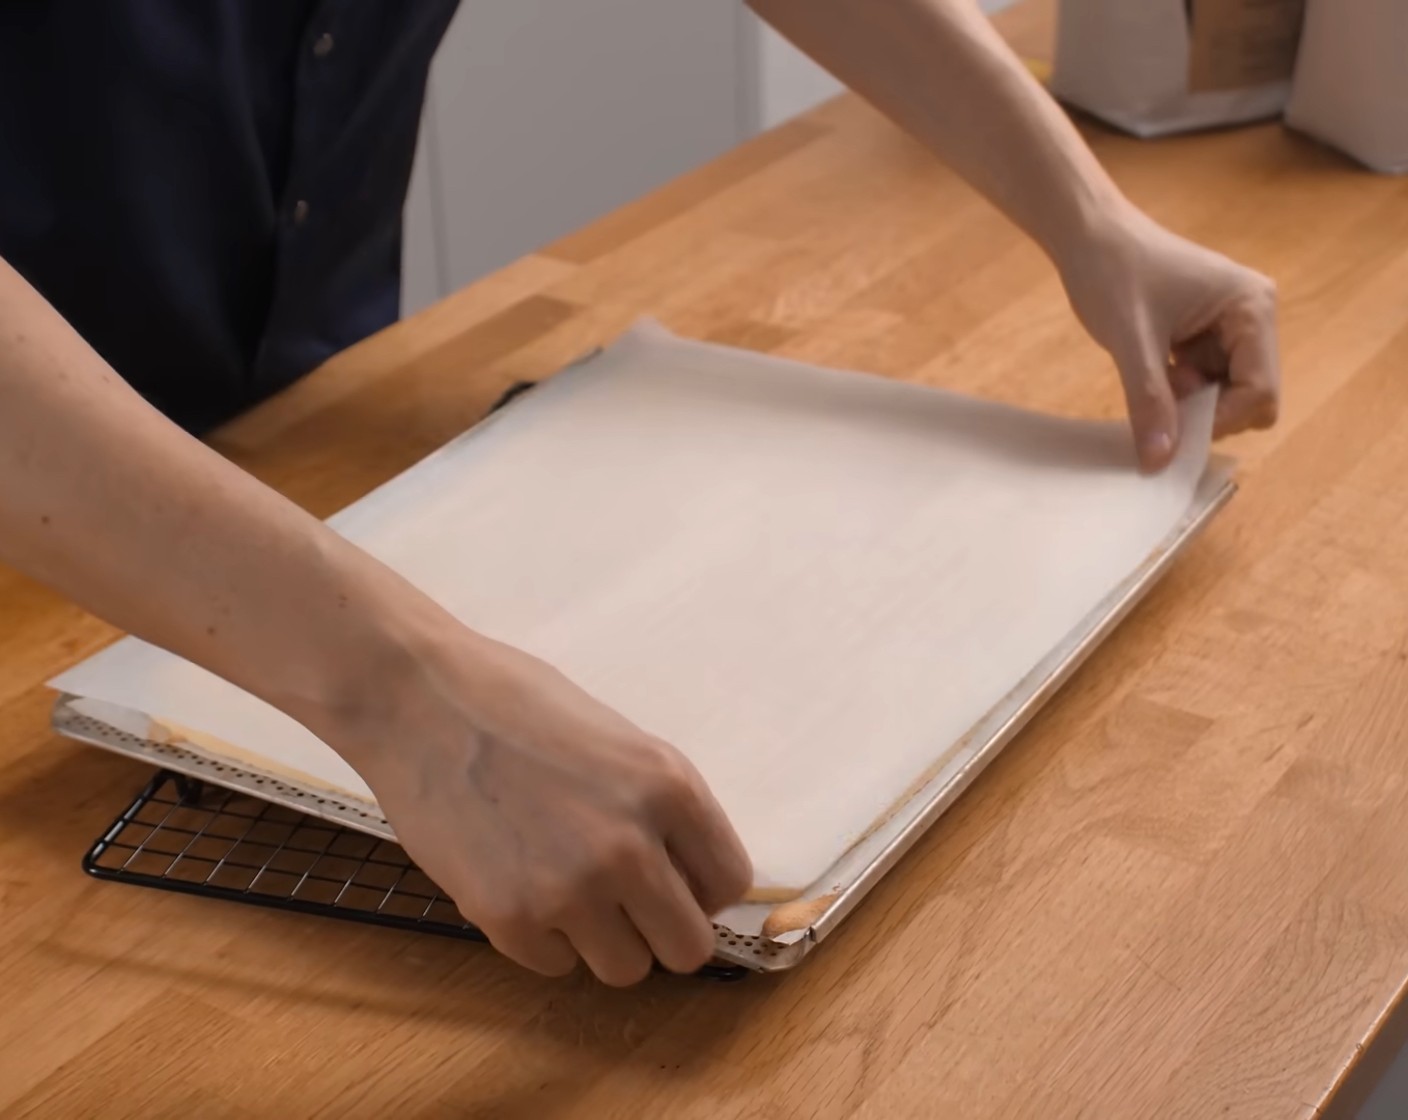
742,935
760,937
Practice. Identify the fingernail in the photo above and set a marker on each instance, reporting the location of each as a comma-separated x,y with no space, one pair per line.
1157,446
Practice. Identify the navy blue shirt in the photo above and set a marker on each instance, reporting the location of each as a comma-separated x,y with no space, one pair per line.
210,191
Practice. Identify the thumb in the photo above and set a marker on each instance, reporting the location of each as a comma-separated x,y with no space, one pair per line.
1153,411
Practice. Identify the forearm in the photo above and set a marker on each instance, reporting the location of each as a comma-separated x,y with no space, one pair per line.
104,499
939,69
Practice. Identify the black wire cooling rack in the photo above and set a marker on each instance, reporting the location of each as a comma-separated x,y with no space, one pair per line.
186,836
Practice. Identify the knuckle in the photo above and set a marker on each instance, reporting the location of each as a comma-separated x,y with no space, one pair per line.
540,955
484,914
620,855
509,920
625,970
549,912
630,857
540,904
670,785
556,965
1263,296
563,901
690,954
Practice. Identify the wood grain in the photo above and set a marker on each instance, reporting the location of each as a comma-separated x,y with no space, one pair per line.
1182,893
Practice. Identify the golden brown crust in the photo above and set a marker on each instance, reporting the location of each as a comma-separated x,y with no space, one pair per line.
771,896
166,733
792,916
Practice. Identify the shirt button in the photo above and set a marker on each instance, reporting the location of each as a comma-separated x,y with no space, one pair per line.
300,211
322,47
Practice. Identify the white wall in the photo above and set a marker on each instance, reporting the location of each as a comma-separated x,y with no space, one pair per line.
545,114
790,83
424,269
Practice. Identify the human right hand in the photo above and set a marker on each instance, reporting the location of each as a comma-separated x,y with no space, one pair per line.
1173,315
1176,316
558,828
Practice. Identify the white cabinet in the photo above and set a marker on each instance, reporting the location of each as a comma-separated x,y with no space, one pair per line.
545,114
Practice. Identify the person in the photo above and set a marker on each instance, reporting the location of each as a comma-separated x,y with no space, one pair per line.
201,202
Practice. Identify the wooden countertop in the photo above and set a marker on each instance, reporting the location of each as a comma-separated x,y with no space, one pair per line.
1182,893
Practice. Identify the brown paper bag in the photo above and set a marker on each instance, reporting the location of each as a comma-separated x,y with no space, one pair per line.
1154,67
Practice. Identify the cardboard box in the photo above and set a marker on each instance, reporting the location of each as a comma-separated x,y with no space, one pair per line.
1351,82
1154,67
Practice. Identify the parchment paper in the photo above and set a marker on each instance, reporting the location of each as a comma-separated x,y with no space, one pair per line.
812,582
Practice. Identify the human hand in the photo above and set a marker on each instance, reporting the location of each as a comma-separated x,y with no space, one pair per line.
557,827
1175,316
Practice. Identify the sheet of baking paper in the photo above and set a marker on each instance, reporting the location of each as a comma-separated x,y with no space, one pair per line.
812,582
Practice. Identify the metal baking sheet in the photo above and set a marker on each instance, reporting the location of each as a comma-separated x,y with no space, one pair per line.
851,878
